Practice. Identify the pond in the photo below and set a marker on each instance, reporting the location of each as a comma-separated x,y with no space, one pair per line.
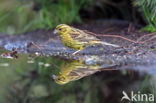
29,77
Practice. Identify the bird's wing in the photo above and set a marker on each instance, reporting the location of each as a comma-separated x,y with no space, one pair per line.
81,36
86,38
81,72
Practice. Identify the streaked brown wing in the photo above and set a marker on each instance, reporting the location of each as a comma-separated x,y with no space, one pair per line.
81,36
81,72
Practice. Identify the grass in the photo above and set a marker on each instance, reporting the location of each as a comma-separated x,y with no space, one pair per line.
23,16
148,9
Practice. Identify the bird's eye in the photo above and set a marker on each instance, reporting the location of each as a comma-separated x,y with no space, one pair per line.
59,79
60,29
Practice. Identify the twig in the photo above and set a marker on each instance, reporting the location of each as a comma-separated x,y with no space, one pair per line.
115,36
150,39
145,36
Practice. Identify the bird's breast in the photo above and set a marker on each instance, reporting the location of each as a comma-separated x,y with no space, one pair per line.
71,43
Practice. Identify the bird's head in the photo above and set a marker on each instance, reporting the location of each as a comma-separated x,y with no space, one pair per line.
60,79
62,29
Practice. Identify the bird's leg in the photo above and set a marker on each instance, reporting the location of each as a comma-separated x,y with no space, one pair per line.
76,52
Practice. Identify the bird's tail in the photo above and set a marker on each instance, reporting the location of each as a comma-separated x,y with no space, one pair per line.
114,45
105,43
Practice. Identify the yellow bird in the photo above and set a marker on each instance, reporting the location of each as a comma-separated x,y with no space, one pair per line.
74,70
77,39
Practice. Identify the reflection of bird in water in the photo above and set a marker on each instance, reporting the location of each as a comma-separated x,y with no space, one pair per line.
77,39
74,70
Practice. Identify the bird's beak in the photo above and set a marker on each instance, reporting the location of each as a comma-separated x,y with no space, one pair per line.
54,77
55,31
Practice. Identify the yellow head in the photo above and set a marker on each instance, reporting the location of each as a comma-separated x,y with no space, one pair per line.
60,79
62,29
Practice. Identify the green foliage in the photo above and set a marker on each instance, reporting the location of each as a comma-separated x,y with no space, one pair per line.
148,7
23,16
149,28
147,86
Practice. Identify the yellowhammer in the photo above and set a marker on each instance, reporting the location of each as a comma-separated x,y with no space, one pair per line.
74,70
76,38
